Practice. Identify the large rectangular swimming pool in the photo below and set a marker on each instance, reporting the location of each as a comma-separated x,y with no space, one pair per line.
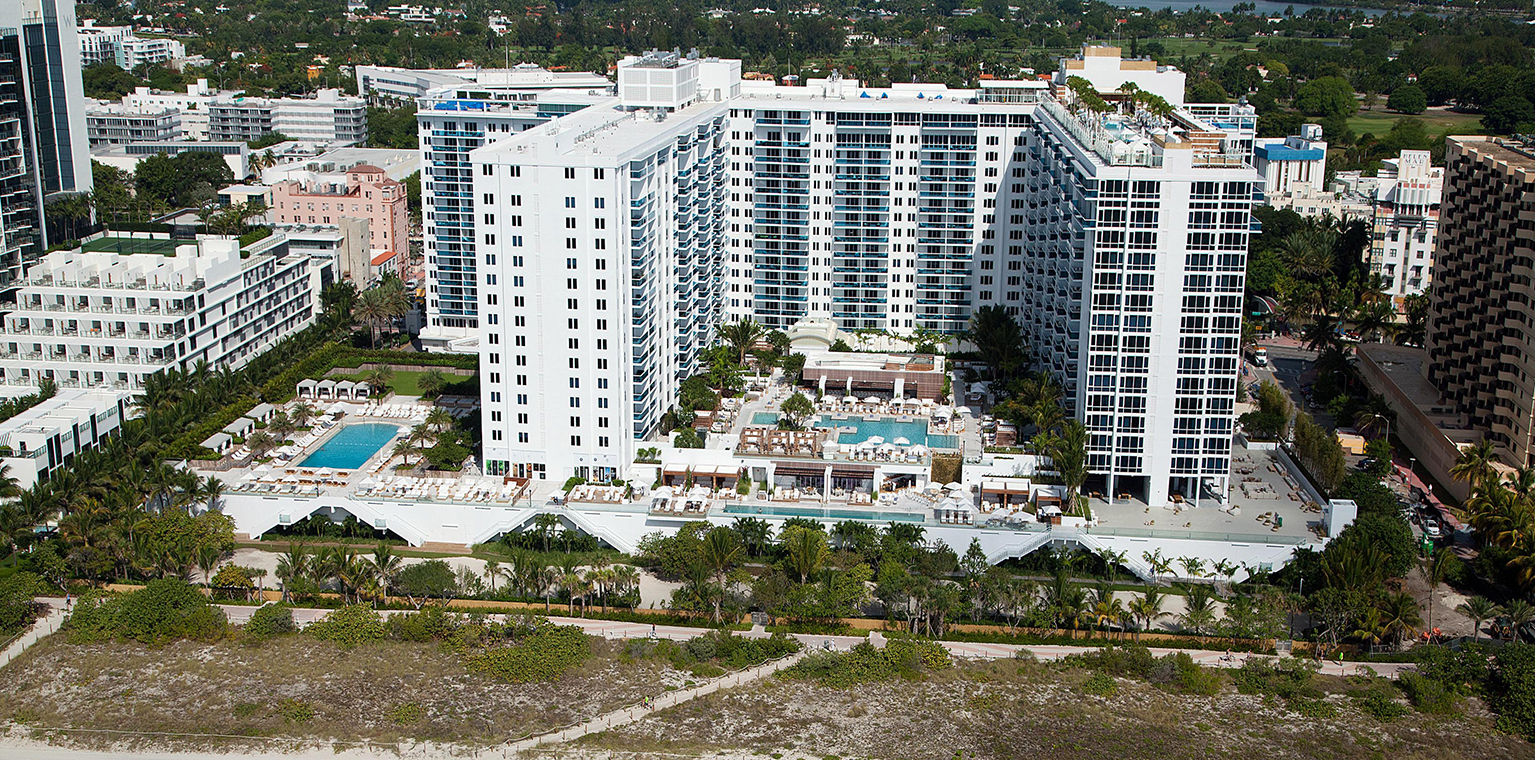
351,446
865,428
830,513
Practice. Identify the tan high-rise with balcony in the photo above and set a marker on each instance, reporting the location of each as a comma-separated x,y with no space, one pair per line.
1482,299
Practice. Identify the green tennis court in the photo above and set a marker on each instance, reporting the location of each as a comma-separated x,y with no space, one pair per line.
134,245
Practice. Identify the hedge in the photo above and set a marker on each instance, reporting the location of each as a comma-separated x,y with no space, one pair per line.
189,444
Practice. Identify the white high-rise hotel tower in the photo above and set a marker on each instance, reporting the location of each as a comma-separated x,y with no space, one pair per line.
609,243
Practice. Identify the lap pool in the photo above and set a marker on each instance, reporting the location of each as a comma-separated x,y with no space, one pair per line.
351,446
865,428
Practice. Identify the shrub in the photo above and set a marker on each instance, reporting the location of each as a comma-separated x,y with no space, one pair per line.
349,626
1383,707
430,624
295,711
409,712
1511,690
1313,708
1428,695
1286,679
1100,684
163,611
1136,661
17,610
271,620
543,655
1181,673
904,658
701,647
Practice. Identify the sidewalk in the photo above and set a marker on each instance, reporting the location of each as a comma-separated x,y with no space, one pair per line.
44,625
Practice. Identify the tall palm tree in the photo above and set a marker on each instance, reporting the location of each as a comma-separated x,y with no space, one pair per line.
805,553
1479,609
1519,614
292,565
1477,462
741,336
213,488
626,579
1198,610
720,552
302,413
432,383
1194,566
493,572
1400,616
1374,416
439,420
1148,607
378,379
386,565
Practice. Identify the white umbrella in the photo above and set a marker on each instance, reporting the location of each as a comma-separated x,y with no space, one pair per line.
934,486
874,439
902,441
919,449
898,400
961,410
954,486
323,472
871,400
942,411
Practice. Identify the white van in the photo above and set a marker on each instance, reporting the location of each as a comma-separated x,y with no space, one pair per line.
1261,357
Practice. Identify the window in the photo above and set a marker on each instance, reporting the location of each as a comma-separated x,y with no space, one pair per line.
575,440
570,172
570,200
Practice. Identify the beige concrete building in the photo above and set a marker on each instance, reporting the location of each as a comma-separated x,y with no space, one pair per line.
1481,314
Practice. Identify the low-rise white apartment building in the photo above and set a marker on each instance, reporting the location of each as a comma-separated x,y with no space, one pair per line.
1407,198
96,318
390,84
118,45
1292,166
193,105
115,124
329,118
50,435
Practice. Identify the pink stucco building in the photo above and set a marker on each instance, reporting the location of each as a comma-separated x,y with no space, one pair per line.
364,192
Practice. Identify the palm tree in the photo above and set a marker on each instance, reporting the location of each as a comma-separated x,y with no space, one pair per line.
1375,320
626,578
1148,607
1374,416
805,553
431,383
1479,609
1370,628
1194,566
1519,613
741,336
386,566
1438,568
1106,609
1198,610
292,565
213,488
1159,565
378,379
1067,451
493,572
1400,616
302,413
720,552
281,426
1476,463
997,336
439,420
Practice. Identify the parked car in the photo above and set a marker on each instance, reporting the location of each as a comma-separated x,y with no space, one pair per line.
1432,530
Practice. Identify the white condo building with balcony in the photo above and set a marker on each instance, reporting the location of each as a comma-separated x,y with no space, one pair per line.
601,244
1118,240
98,318
1408,193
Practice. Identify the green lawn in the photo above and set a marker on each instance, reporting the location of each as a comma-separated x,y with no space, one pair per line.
134,245
1181,46
1435,121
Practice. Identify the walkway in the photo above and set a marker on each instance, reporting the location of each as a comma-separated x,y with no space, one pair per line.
627,715
45,625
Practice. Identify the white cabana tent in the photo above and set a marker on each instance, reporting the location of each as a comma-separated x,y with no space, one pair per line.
261,412
240,428
326,389
306,388
219,442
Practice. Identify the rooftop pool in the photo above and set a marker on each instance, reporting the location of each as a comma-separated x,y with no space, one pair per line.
351,446
865,428
831,513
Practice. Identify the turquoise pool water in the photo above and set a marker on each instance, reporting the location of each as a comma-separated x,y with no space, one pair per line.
351,446
887,428
828,513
